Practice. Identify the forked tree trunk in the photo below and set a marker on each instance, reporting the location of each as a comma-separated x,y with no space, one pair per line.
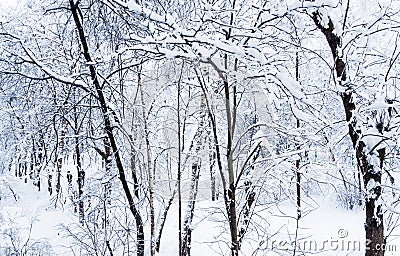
229,188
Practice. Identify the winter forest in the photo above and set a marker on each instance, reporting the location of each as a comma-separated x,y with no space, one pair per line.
200,127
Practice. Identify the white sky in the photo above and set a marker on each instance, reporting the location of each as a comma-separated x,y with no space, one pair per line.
8,2
10,5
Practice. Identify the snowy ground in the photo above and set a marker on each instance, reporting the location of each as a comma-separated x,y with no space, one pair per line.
29,220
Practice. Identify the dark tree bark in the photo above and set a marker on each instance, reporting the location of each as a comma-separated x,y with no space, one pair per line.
179,169
162,224
133,168
228,191
374,228
298,174
79,170
49,184
80,180
149,165
212,170
108,128
60,156
107,167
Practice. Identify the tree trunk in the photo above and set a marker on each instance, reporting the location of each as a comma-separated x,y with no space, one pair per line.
49,184
80,180
108,128
162,224
187,226
179,169
61,154
133,168
149,165
298,174
229,188
212,170
81,173
107,167
231,193
374,228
